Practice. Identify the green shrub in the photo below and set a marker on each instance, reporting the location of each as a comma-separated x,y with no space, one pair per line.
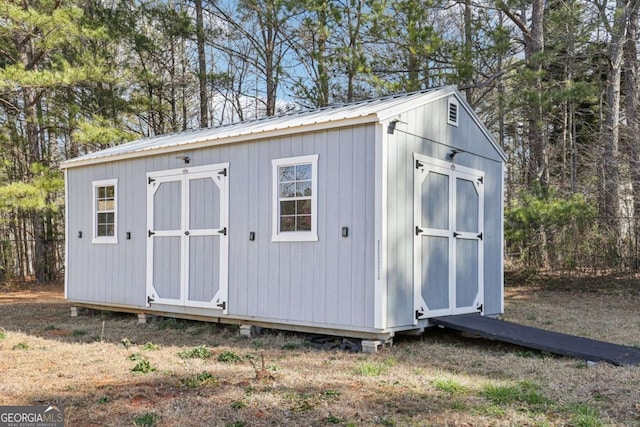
229,357
534,216
202,379
151,347
143,366
146,420
21,346
200,352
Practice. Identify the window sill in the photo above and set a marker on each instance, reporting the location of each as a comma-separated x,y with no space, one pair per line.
295,237
105,241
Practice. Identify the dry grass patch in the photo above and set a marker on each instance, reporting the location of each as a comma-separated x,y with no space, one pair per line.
205,374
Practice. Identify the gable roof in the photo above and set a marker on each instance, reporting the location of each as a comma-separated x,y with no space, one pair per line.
360,112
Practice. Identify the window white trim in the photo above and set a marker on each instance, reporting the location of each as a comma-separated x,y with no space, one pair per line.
453,111
295,236
104,239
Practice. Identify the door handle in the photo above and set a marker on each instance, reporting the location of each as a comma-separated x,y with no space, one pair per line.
186,233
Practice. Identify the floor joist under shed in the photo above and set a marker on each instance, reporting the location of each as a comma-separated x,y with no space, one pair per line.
539,339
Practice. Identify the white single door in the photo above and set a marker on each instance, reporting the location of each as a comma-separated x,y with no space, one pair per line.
187,247
448,238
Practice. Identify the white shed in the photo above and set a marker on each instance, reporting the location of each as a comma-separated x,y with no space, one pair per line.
359,220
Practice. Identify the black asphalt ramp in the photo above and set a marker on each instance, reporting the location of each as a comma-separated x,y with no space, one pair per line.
539,339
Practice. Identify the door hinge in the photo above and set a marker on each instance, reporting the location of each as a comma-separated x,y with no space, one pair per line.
223,172
150,300
480,236
419,164
481,180
151,180
222,305
151,233
479,308
419,314
418,230
223,231
456,234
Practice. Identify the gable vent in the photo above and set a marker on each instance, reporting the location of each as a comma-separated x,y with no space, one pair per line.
452,111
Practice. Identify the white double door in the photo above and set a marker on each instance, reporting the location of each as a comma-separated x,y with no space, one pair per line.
187,244
448,239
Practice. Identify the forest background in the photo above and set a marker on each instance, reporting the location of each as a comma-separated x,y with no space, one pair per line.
555,81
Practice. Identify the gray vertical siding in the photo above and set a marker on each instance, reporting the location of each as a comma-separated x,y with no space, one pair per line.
330,282
325,282
423,128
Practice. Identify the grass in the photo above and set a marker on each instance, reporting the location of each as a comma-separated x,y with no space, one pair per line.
524,392
375,369
450,385
585,416
173,323
440,378
370,369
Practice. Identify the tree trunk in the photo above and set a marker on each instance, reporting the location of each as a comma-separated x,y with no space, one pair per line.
611,132
533,48
202,66
322,98
632,110
536,170
467,76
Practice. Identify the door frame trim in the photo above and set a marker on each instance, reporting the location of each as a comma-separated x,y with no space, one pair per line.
183,175
453,171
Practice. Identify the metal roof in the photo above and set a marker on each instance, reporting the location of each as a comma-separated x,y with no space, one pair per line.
367,111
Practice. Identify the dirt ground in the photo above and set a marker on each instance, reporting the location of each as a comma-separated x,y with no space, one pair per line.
107,370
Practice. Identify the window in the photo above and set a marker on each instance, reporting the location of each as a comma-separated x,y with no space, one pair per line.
295,199
452,111
105,211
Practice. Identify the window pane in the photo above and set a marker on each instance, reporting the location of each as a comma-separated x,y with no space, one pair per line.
303,223
288,208
303,207
287,173
106,205
303,189
102,218
288,223
303,172
110,191
288,189
105,230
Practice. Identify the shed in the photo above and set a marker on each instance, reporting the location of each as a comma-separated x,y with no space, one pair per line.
360,220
